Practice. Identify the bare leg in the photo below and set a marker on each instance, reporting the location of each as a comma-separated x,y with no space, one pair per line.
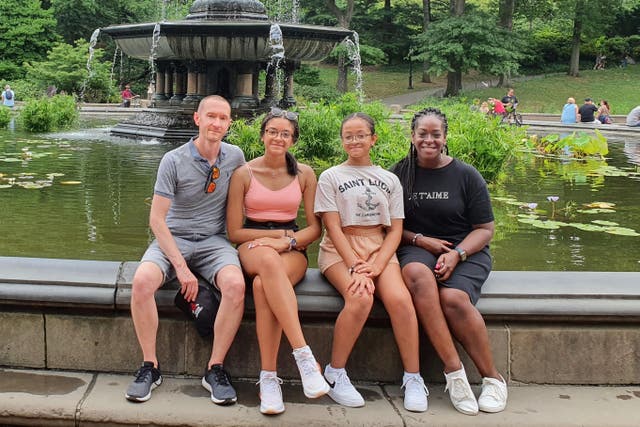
426,299
230,281
268,329
352,317
469,328
397,301
146,281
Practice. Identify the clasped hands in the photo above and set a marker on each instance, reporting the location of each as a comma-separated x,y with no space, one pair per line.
362,275
447,260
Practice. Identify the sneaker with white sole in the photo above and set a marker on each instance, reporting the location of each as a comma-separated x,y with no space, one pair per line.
218,382
342,391
270,393
415,393
147,378
493,397
460,392
313,383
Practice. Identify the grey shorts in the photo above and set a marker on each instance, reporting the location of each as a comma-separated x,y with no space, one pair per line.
204,256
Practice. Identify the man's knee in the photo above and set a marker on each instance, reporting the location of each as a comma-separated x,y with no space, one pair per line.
230,281
146,281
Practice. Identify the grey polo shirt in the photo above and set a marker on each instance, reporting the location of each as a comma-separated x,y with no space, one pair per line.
182,175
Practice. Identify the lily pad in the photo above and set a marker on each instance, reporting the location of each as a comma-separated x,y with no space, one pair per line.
596,211
70,182
586,227
548,225
602,205
621,231
11,160
6,185
607,223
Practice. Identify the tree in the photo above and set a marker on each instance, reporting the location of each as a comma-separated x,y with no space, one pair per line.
454,76
505,16
344,20
458,44
26,32
426,13
66,68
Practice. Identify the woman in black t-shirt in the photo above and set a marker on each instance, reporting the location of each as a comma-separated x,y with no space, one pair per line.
445,257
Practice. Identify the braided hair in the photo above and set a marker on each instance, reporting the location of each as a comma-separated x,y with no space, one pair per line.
406,168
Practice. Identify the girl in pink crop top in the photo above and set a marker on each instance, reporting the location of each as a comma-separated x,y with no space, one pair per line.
269,247
263,204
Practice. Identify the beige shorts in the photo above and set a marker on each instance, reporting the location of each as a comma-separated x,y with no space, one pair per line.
365,242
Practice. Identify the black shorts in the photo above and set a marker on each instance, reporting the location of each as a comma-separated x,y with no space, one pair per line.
274,225
468,276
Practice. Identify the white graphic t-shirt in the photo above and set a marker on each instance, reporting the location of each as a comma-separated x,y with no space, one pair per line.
362,195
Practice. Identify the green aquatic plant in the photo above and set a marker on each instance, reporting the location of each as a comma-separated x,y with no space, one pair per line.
577,144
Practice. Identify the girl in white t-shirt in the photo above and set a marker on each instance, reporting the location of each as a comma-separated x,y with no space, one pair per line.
361,208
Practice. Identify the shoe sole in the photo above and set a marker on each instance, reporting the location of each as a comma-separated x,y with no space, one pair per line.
493,410
271,411
144,398
222,402
315,395
349,404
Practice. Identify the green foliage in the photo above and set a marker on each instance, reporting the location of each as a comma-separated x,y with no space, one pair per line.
322,92
369,55
545,48
578,145
5,116
478,139
48,114
66,68
470,42
246,135
26,33
307,75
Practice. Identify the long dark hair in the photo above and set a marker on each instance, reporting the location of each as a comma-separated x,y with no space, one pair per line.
363,116
292,163
406,168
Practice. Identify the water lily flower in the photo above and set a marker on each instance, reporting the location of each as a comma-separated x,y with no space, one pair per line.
532,205
553,198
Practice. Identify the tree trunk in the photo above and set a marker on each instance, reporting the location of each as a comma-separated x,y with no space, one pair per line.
341,83
506,9
454,78
574,65
426,6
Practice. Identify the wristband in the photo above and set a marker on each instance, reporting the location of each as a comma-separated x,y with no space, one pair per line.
292,243
415,237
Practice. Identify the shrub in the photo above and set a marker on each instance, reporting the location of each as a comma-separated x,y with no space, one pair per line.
47,114
5,116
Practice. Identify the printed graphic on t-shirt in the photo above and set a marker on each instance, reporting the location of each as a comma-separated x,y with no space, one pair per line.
368,197
430,195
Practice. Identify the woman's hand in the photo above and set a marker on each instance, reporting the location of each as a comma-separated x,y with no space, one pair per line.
445,265
434,245
370,270
279,244
361,284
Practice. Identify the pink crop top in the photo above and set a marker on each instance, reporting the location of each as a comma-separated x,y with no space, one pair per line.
263,204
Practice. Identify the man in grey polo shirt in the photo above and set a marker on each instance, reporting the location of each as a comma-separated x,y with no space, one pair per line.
188,221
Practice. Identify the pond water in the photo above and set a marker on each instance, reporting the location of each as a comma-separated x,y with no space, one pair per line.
85,195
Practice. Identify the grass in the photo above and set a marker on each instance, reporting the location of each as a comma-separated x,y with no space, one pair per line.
539,94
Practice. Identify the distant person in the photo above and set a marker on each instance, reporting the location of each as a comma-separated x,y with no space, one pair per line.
509,100
600,62
570,114
497,107
150,90
604,112
484,108
8,97
127,95
633,119
588,112
188,220
51,91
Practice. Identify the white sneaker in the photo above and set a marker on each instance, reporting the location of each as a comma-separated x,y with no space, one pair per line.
460,392
415,393
494,395
270,393
342,391
313,382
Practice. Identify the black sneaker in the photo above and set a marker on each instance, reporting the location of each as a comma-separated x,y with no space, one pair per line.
147,378
218,382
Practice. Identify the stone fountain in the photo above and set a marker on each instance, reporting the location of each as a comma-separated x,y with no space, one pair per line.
219,48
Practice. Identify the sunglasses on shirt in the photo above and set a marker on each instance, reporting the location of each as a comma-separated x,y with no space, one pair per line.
210,185
278,112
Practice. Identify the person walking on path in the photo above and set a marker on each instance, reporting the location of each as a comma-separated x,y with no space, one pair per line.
188,220
361,207
8,97
445,257
272,250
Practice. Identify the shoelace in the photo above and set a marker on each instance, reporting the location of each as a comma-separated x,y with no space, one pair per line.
458,389
342,378
308,364
494,391
271,385
416,384
143,373
221,376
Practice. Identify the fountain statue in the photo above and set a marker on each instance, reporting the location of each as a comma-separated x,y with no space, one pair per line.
219,48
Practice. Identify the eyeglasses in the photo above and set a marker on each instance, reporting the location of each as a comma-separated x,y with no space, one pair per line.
356,138
285,134
210,185
277,112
